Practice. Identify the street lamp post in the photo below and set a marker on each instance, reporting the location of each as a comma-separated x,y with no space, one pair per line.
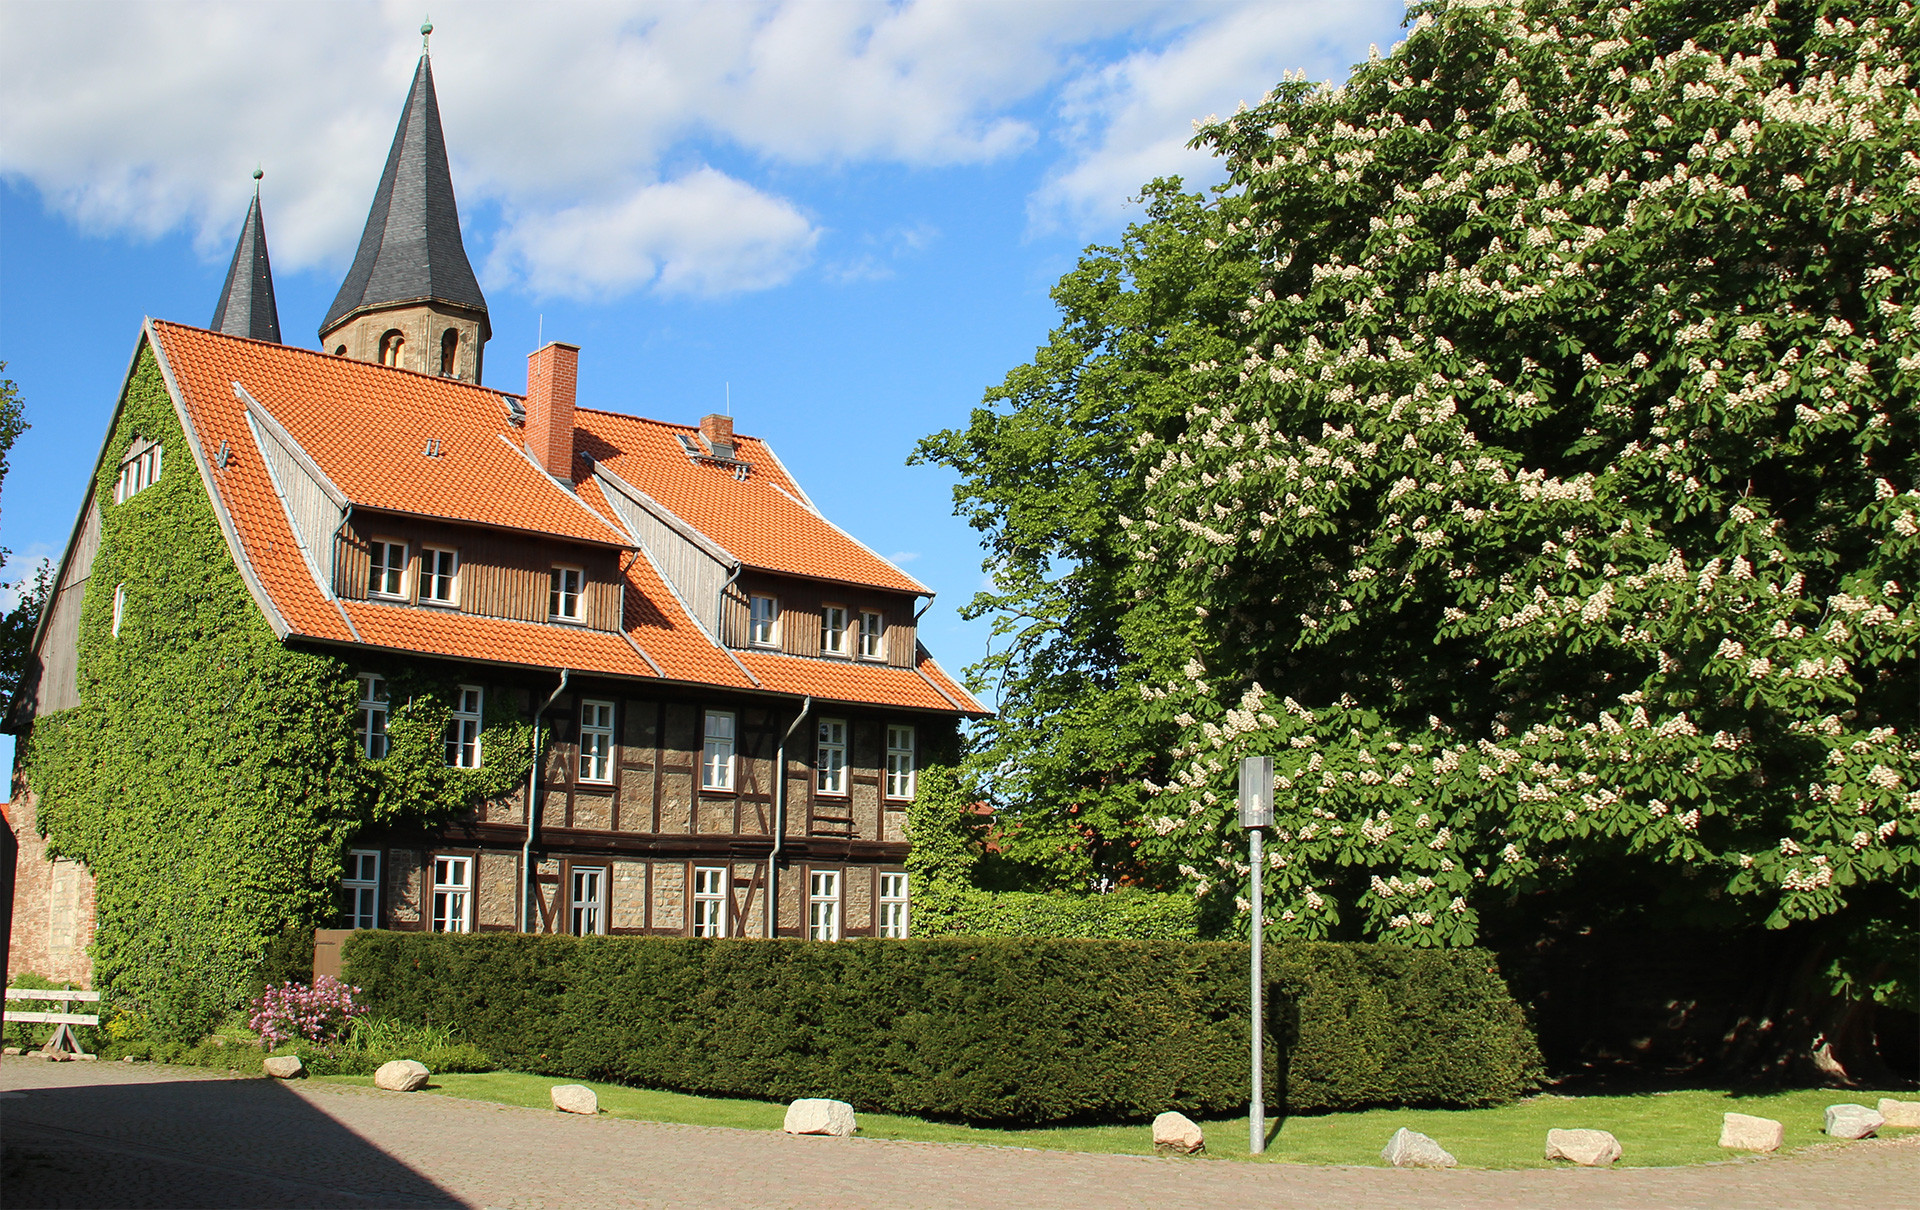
1256,812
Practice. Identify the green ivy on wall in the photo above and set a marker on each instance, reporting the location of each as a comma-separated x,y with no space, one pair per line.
210,778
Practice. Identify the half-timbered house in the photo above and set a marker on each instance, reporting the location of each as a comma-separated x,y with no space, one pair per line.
729,692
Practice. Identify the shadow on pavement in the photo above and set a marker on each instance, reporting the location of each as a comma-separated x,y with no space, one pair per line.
192,1143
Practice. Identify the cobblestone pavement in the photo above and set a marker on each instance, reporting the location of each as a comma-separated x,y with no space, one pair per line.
99,1134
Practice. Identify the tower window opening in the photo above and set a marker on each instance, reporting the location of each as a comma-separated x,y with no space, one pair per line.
390,346
449,345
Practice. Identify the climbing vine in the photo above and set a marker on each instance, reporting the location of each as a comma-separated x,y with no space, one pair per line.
210,778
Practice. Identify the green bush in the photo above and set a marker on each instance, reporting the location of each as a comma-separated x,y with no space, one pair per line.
371,1041
989,1030
947,910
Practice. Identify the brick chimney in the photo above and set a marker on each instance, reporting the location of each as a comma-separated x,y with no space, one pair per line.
718,431
552,374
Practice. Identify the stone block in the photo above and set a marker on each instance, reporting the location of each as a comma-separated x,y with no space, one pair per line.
575,1098
283,1067
401,1075
1899,1113
817,1115
1852,1121
1588,1148
1744,1132
1411,1149
1177,1134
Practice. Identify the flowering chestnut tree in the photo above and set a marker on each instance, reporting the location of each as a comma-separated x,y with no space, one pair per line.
1559,504
1547,503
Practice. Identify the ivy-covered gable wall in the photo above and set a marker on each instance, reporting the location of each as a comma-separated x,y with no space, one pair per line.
209,778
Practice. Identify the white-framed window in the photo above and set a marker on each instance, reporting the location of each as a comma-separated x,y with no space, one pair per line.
370,720
137,472
833,630
563,594
899,760
716,757
831,761
452,894
387,569
119,607
893,905
587,900
439,575
823,905
463,729
764,628
873,635
710,901
360,890
596,740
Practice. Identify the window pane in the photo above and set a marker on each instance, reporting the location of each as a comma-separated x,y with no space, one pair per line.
873,630
833,629
832,760
596,740
716,761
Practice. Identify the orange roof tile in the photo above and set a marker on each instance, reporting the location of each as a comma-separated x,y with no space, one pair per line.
362,424
762,520
368,427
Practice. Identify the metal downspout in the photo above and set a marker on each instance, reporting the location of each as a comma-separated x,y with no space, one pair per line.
780,818
533,805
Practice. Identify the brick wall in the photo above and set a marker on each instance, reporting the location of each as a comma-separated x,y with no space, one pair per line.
52,906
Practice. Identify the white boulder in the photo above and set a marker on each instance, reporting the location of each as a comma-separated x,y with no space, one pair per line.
1411,1149
1900,1113
283,1067
1588,1148
1178,1134
1852,1121
1744,1132
817,1115
401,1075
575,1098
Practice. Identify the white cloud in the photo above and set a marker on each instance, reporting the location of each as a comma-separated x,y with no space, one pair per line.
703,233
1129,121
571,120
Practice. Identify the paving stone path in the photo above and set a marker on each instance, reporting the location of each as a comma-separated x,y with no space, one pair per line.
100,1134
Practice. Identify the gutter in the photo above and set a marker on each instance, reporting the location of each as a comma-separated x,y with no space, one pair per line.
780,819
533,806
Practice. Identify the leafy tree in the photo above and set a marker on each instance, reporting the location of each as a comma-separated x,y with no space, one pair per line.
1554,520
1047,464
16,627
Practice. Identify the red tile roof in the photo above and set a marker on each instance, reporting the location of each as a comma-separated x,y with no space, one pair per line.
762,520
366,426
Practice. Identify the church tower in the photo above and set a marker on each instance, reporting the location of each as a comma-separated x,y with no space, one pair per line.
411,299
246,302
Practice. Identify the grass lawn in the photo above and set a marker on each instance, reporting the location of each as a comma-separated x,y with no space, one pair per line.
1654,1129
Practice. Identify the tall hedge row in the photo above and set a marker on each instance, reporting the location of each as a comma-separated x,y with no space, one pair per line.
987,1030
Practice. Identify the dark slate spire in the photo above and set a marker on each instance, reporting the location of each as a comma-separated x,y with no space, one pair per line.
246,301
411,249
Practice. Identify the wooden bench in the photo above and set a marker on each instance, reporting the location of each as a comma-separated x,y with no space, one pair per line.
62,1042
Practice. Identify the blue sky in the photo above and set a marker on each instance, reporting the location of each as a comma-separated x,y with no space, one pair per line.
847,215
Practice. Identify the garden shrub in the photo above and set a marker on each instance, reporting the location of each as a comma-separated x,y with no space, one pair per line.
949,910
977,1029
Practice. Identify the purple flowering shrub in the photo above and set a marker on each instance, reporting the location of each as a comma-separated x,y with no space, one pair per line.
318,1013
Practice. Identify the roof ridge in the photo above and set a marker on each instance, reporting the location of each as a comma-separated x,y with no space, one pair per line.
336,359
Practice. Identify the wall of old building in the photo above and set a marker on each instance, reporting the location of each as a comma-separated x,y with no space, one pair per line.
53,912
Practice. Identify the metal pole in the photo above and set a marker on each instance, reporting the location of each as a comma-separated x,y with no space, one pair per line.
1257,1104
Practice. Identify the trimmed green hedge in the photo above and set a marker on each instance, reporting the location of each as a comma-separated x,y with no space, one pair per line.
943,910
988,1030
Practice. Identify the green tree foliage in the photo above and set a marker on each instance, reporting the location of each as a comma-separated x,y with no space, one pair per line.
16,626
210,778
1554,521
1047,465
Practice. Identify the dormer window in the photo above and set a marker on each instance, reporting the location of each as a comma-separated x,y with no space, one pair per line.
140,469
439,576
833,630
873,635
563,597
764,630
387,569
